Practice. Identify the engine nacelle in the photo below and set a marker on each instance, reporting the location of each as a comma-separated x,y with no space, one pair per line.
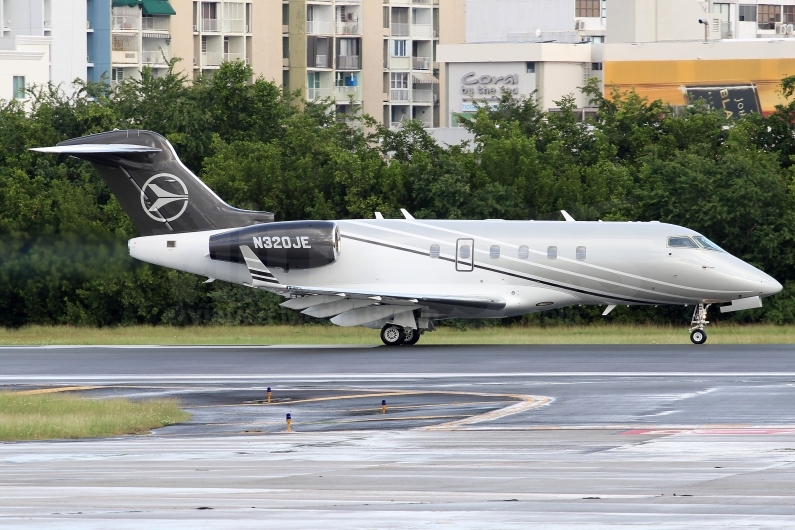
286,245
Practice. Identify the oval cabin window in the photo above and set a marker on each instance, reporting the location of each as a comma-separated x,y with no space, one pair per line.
524,252
581,253
494,252
552,252
464,251
435,251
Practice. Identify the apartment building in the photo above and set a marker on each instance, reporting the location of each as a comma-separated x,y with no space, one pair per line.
140,36
65,22
364,55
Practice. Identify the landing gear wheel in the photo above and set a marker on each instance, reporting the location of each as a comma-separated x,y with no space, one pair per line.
393,335
412,336
698,336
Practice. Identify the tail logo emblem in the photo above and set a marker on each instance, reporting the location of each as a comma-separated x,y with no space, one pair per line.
168,192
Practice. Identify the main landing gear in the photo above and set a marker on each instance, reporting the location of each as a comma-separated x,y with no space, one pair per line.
393,335
699,320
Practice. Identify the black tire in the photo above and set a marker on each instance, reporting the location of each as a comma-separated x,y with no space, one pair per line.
393,335
698,336
412,336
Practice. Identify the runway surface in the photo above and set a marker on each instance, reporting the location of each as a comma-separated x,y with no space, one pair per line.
473,437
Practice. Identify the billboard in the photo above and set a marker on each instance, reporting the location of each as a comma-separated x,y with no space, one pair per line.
733,86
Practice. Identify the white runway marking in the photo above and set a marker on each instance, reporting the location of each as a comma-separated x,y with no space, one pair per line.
381,377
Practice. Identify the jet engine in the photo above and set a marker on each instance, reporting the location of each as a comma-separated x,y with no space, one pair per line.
286,245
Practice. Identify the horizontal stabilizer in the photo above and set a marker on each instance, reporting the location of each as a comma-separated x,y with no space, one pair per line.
743,303
86,149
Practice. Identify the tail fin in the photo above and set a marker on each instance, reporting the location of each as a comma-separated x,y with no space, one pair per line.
157,191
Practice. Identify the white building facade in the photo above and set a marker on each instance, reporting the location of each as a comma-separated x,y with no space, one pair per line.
26,62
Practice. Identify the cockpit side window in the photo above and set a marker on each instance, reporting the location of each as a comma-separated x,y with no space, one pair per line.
705,243
681,242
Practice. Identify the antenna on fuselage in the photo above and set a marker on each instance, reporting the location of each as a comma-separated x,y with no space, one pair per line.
566,216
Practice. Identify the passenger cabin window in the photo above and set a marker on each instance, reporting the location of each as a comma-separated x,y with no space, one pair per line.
464,251
581,253
552,252
435,250
681,242
524,252
705,243
494,252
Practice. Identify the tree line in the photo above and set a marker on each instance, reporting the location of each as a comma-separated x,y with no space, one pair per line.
63,256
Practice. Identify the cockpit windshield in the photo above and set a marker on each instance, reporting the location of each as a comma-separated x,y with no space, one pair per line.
681,242
705,243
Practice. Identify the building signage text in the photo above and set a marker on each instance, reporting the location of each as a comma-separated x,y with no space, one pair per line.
489,85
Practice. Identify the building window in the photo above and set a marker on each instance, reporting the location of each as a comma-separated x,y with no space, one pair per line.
19,87
386,17
524,252
596,67
531,67
789,14
580,253
587,8
399,80
768,15
747,13
494,252
399,48
552,252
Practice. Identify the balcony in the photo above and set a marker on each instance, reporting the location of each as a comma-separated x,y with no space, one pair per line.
424,2
422,30
400,29
124,57
212,59
421,63
317,27
348,28
422,96
210,24
399,63
313,94
126,23
321,61
155,23
348,62
154,58
235,56
400,95
342,94
232,25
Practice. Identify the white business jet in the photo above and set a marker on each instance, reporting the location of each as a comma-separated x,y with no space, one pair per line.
400,275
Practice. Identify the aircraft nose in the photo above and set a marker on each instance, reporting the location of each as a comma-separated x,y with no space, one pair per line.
769,286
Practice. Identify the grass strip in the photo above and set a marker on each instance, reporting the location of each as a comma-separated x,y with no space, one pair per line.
313,334
25,416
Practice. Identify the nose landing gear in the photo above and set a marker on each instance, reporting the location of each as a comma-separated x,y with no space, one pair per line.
699,320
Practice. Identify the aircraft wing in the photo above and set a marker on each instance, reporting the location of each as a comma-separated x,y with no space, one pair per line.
473,301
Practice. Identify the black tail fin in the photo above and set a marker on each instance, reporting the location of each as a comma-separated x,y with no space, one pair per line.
157,191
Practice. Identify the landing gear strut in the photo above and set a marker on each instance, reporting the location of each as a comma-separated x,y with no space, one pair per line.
699,320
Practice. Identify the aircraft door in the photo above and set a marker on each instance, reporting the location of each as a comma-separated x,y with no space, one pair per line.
465,255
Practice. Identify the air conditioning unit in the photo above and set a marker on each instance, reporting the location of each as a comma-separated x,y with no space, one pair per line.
579,25
790,29
781,28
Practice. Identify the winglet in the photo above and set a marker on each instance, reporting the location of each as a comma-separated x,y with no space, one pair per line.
406,214
260,275
566,216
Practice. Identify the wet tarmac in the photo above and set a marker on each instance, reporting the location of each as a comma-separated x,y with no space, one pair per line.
472,437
